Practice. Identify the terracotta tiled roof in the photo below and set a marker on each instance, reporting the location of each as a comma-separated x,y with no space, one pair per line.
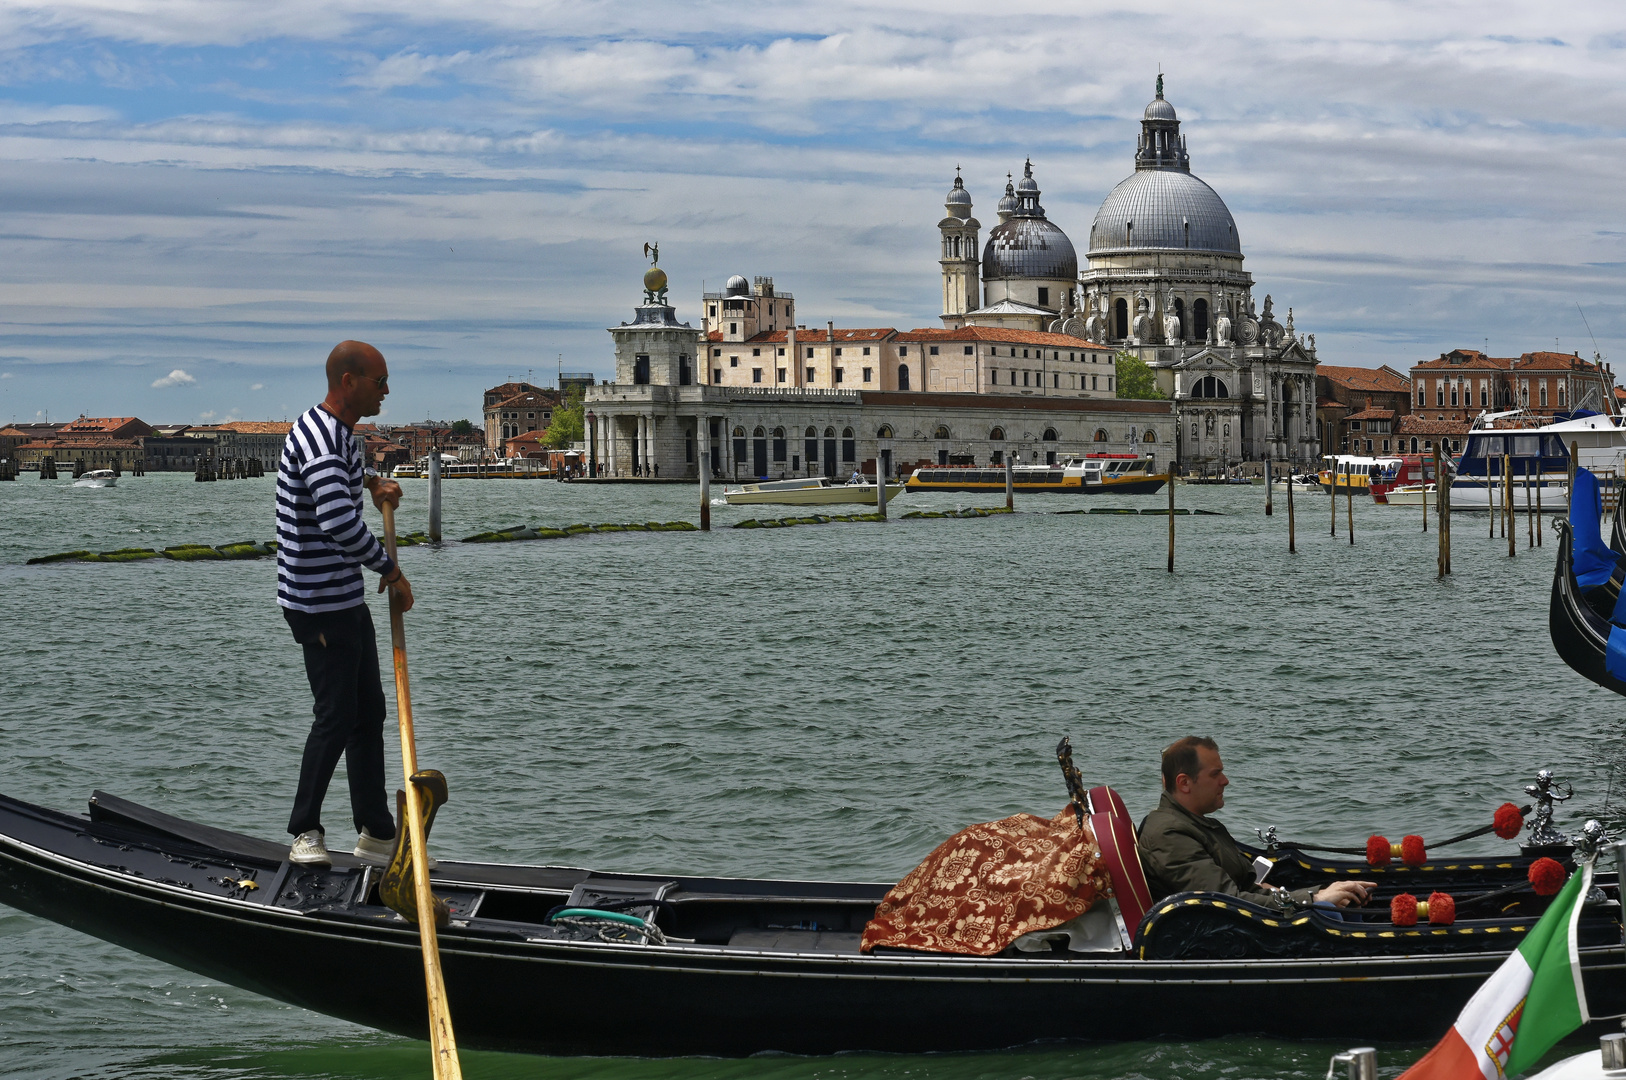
1552,361
101,423
1002,336
257,427
1466,359
810,337
1379,380
1372,414
519,401
82,443
1329,403
1422,425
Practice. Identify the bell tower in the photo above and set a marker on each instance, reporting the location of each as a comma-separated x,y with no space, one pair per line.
960,256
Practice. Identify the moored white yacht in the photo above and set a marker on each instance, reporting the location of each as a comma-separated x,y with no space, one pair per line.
808,491
99,478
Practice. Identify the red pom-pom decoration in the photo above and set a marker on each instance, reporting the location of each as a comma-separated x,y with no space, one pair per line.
1508,821
1547,875
1412,852
1442,909
1377,851
1403,910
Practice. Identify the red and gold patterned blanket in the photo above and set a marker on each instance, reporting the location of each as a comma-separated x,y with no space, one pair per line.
987,885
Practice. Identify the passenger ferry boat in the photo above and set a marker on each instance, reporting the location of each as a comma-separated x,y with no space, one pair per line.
1092,474
1354,474
1539,458
505,469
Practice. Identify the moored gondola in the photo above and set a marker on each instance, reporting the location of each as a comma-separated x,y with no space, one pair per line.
654,964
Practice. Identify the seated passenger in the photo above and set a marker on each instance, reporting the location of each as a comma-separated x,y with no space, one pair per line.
1183,849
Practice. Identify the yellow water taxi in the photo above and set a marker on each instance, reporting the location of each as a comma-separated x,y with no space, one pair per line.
1093,474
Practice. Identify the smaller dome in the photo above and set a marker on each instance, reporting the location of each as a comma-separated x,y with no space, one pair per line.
958,202
737,286
1027,183
1159,109
1008,205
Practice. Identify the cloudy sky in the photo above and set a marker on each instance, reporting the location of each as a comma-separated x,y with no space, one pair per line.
199,197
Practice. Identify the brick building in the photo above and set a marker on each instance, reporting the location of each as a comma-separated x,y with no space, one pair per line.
1461,384
1358,409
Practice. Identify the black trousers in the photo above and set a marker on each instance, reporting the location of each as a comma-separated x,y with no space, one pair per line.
341,661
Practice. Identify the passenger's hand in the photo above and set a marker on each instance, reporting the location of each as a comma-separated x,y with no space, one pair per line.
385,491
398,582
1345,893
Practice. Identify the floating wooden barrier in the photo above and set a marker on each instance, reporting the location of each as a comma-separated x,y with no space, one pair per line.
242,549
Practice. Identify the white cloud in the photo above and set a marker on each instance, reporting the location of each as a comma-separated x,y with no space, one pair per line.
174,378
258,386
210,415
5,375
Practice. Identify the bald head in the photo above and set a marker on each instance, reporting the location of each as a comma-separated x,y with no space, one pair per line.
353,357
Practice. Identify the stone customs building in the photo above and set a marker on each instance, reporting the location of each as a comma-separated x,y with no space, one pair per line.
801,403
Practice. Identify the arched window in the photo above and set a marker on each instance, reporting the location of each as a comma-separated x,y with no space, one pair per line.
903,376
996,435
779,444
942,432
1120,313
759,433
739,433
1100,434
1148,436
1210,387
1180,313
811,432
1414,444
1199,319
1050,435
849,446
829,433
884,431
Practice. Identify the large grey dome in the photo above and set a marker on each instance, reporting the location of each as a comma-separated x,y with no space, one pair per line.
1028,247
1163,208
1159,109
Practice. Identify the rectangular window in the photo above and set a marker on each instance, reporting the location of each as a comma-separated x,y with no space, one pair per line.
1439,395
781,352
810,354
756,374
1057,381
1421,397
716,375
838,352
1024,378
810,375
756,352
903,350
716,352
934,350
733,361
1013,378
840,372
1544,393
968,350
1044,296
1453,393
714,310
1484,396
867,373
993,376
781,374
1095,381
866,350
1024,354
1109,383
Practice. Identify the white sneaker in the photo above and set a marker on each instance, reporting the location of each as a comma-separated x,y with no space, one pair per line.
371,850
309,850
376,852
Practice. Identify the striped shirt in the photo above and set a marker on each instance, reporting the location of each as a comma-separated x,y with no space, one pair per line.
322,541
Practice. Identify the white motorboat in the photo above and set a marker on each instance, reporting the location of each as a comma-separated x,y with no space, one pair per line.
1303,482
808,491
1411,494
97,478
1538,456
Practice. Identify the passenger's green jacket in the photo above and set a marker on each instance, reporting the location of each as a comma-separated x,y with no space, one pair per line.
1182,851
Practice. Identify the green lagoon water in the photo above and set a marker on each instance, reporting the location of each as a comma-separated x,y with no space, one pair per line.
823,701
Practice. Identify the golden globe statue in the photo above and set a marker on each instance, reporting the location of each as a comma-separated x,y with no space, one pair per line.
655,279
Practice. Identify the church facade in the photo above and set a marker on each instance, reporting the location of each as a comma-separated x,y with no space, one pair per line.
1163,281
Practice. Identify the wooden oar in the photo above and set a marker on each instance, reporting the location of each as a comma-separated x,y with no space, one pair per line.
442,1043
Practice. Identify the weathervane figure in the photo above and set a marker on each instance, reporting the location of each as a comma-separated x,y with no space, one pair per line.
654,277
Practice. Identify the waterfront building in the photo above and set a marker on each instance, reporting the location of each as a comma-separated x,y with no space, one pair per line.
112,427
1462,383
96,451
654,417
177,447
1358,409
515,408
261,440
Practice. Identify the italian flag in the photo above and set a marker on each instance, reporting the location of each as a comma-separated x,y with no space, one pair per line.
1533,1000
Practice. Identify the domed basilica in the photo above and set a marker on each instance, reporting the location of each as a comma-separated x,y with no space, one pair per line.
1164,282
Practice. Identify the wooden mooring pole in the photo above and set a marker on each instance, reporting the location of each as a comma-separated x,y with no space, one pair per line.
1332,490
434,494
1349,504
1269,508
1171,520
1540,477
1290,548
1010,486
1512,534
705,492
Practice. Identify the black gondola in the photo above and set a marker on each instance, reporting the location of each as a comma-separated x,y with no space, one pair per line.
734,966
1579,627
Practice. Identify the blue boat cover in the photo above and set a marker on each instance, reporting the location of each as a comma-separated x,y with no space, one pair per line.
1614,659
1594,560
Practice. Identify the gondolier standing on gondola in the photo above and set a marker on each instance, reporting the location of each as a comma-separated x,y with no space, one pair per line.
322,544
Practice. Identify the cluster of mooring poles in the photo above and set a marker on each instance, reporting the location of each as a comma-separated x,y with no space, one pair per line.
8,468
47,468
211,468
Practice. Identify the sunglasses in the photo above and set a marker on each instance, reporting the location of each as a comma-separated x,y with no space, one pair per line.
382,381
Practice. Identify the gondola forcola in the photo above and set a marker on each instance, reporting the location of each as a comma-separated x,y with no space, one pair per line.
554,959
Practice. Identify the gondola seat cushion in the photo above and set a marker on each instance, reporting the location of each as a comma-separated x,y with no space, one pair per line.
1115,833
989,884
